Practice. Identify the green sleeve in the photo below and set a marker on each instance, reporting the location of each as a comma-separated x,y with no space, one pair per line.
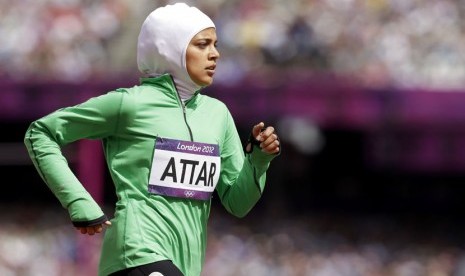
243,177
96,118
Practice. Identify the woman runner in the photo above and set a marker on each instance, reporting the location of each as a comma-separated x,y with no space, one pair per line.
168,147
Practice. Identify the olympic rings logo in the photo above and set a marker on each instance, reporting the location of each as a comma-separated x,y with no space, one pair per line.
189,193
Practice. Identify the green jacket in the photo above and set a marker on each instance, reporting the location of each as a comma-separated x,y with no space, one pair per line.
146,227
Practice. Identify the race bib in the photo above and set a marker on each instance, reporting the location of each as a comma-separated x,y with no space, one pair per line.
184,169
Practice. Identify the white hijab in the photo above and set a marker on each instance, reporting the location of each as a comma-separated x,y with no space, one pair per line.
163,40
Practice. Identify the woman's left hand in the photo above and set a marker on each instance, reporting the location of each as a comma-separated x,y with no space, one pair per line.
269,141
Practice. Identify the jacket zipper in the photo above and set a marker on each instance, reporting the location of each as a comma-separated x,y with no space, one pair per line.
185,119
184,113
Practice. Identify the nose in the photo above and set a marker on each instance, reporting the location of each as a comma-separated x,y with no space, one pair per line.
214,53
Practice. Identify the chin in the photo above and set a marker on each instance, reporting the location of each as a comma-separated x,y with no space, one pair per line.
205,83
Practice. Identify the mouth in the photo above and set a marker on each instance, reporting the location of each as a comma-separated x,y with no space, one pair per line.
211,69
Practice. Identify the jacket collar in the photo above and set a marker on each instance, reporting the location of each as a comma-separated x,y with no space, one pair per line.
166,82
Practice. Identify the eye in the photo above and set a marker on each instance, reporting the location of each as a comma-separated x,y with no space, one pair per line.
202,44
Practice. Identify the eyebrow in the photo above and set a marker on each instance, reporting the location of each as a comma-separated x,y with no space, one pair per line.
204,38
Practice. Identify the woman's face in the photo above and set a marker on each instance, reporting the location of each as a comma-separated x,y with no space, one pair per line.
201,57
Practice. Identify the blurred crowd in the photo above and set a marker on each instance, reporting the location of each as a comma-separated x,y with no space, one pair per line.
62,39
332,246
39,241
378,43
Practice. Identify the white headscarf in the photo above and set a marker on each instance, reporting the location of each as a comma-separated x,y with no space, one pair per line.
163,40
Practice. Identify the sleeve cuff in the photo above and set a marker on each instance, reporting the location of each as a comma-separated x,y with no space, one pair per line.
89,223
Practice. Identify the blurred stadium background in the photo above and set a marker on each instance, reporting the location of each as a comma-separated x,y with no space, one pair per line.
367,96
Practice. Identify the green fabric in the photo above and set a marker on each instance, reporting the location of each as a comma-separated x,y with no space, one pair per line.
146,227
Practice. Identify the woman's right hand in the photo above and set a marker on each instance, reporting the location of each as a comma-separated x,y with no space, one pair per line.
95,229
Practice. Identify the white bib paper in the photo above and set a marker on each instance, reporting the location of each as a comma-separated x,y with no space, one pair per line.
184,169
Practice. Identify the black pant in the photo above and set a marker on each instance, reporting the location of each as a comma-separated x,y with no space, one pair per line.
166,268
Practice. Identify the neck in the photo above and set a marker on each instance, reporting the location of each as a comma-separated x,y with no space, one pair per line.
185,88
